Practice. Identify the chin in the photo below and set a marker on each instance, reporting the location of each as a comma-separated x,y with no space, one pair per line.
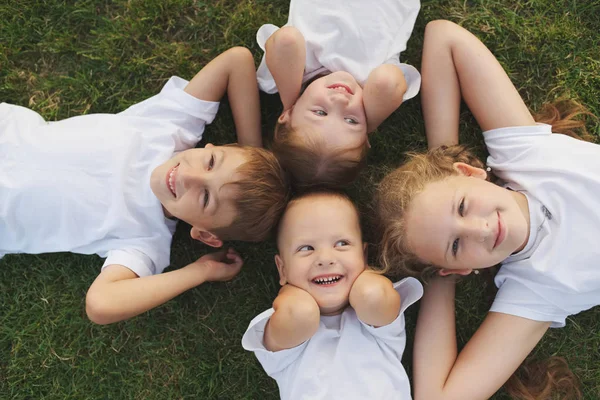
332,308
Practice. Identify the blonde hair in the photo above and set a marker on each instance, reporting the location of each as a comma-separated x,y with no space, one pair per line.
534,380
398,189
263,192
396,192
311,164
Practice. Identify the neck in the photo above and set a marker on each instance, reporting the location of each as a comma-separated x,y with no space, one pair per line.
168,214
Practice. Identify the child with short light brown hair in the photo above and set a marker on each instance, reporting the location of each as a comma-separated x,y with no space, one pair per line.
336,329
121,197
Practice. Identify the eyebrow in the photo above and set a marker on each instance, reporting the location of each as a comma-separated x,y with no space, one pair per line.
215,196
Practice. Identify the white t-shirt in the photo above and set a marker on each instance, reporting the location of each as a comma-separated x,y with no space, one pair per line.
557,274
346,359
355,36
83,184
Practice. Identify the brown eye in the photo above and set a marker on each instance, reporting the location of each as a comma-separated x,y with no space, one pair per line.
455,247
206,198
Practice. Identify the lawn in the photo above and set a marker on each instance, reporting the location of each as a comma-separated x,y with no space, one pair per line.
65,58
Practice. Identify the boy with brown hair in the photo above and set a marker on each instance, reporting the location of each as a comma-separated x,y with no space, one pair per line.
121,199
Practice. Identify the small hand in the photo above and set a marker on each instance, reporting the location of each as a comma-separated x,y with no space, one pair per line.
219,266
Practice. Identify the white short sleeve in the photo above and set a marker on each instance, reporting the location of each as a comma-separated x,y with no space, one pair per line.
175,106
133,259
410,290
271,361
515,298
266,82
513,144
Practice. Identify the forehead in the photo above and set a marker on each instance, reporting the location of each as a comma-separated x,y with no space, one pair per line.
428,220
328,138
319,214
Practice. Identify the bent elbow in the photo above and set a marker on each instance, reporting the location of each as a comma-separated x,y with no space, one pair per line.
97,308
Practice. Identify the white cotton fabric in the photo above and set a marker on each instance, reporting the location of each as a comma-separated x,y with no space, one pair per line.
83,184
557,274
346,359
355,36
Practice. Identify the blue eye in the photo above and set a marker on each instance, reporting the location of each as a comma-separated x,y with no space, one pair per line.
351,121
461,208
320,113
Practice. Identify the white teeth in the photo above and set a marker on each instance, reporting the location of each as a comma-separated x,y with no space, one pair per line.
171,183
340,89
328,280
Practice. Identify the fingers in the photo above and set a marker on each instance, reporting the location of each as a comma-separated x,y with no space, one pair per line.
233,257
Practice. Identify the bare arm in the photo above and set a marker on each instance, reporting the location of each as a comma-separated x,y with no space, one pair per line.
285,53
383,93
374,299
118,293
296,319
233,72
492,355
456,63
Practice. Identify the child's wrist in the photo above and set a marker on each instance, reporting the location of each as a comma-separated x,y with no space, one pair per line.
196,273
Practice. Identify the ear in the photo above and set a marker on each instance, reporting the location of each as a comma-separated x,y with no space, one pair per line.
469,170
205,237
280,269
446,272
285,116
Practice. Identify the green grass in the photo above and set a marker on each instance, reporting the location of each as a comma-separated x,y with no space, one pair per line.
64,58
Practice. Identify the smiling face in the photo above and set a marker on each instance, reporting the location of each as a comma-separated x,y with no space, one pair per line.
194,186
464,223
331,107
321,249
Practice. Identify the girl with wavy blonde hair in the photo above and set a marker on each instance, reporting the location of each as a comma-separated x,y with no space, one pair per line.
440,215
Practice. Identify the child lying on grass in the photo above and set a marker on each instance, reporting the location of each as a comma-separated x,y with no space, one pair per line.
336,329
115,185
347,53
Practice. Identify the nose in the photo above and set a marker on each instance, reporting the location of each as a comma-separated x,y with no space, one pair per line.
476,228
340,99
325,258
192,177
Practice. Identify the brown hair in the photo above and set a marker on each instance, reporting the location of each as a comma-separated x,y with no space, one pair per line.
534,380
567,117
264,191
544,380
310,163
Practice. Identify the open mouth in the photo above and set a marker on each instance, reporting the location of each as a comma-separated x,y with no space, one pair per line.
171,177
328,280
501,232
340,87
